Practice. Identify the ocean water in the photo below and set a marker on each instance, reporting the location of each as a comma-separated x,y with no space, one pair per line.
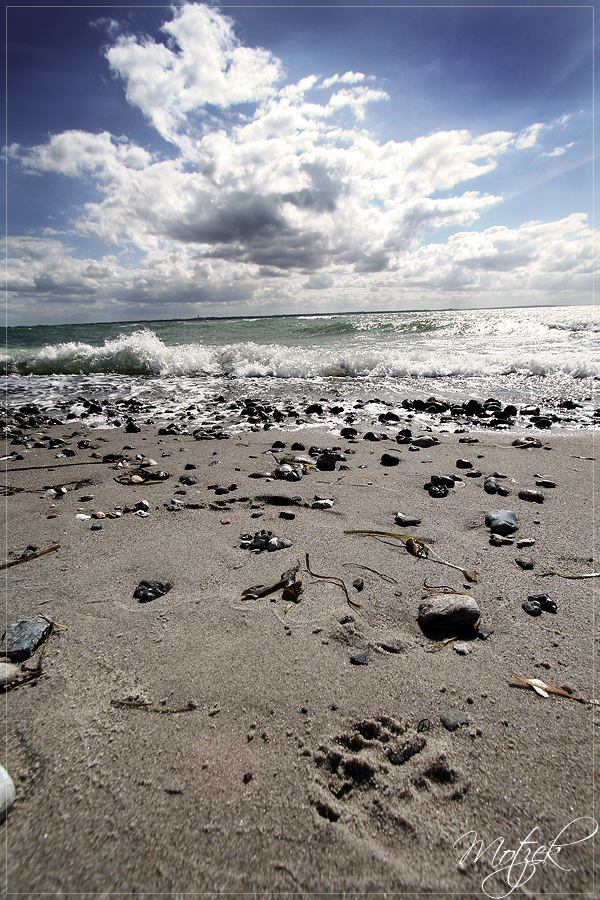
527,355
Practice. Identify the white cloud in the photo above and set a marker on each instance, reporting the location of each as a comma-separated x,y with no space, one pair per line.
295,194
203,64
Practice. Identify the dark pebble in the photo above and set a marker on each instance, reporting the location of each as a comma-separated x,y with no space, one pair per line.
545,483
524,562
532,608
437,491
464,464
453,719
358,583
474,473
545,602
484,633
284,514
531,496
359,659
389,460
150,590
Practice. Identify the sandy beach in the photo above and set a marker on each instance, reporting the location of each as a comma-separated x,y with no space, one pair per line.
206,742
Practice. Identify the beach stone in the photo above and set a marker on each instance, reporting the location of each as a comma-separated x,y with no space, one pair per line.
388,459
462,649
298,446
501,521
450,612
437,491
288,472
490,485
452,719
544,601
285,514
531,496
532,607
22,637
525,542
424,442
496,540
98,527
406,521
524,562
322,504
474,473
464,464
359,659
150,590
358,584
7,793
545,483
484,633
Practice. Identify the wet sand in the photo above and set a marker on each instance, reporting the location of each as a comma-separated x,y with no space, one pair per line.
296,770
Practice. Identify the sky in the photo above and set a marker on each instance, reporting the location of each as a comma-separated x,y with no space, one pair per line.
169,162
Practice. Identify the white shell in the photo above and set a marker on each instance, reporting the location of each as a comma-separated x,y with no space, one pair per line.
7,793
8,673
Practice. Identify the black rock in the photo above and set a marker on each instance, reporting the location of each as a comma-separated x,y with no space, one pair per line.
437,491
298,446
532,607
453,719
474,473
464,464
545,483
326,462
501,521
544,601
284,514
359,659
490,485
188,479
358,583
424,442
348,432
524,562
388,459
314,408
150,590
445,480
22,637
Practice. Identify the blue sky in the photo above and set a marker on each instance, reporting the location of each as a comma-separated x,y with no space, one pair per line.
168,162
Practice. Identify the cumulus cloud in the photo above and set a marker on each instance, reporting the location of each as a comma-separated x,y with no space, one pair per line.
295,193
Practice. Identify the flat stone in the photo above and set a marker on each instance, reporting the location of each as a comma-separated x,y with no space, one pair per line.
545,483
22,637
524,562
452,719
359,659
544,601
406,521
462,649
449,612
525,542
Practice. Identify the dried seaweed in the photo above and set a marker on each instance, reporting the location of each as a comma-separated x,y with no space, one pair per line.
22,559
567,575
152,707
387,578
336,580
286,581
543,689
416,547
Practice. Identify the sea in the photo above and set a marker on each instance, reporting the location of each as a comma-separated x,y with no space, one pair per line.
176,369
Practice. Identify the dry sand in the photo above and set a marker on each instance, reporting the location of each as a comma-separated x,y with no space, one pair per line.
298,771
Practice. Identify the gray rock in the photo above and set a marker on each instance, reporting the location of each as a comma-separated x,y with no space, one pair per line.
22,637
524,562
490,485
462,649
451,612
406,521
501,521
288,472
453,719
359,659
